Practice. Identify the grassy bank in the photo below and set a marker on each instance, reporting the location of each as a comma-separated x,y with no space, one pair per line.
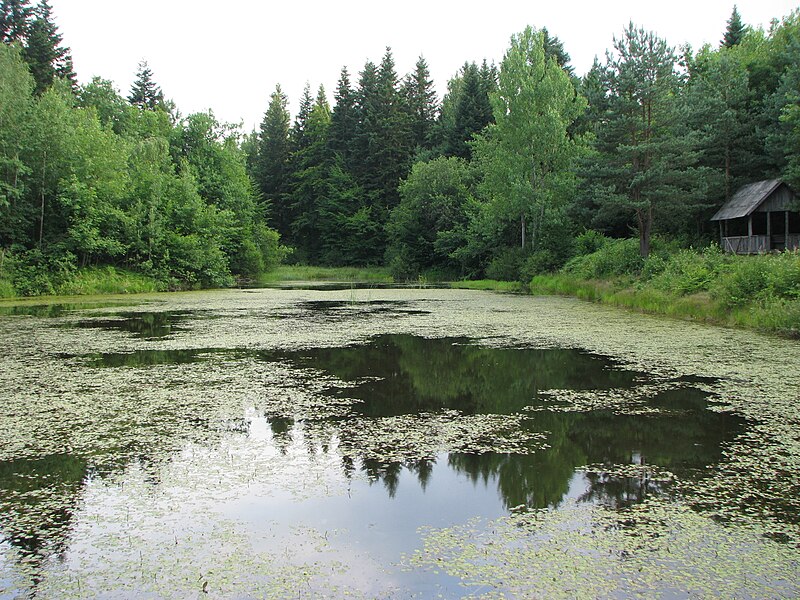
489,284
89,281
310,273
754,292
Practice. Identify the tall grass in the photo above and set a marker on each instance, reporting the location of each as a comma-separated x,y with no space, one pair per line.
106,280
758,292
489,284
310,273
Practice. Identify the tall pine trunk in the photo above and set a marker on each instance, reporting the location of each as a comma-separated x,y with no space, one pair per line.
644,217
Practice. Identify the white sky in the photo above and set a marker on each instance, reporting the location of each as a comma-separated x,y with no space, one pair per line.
228,55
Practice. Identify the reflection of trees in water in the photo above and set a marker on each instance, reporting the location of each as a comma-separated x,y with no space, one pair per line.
403,374
399,375
38,498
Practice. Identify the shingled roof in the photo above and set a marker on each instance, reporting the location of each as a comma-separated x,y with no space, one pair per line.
747,199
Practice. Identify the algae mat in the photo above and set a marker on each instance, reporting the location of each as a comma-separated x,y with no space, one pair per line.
384,443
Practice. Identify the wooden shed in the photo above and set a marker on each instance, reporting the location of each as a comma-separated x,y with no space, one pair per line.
761,217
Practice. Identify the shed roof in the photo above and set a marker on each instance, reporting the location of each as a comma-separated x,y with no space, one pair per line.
747,199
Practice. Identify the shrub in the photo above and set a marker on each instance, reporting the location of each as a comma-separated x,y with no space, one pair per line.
506,265
542,261
615,258
686,271
589,242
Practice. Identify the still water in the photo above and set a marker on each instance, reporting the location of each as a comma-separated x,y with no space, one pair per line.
390,444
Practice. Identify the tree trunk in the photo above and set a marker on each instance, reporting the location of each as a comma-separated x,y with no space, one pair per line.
522,224
41,215
645,220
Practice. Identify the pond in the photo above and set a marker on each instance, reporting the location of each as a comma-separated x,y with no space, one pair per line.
392,443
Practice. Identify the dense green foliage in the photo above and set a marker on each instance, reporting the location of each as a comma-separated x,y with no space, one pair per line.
498,179
89,179
761,292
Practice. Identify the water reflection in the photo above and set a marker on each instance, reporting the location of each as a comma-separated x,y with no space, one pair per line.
144,325
392,376
405,374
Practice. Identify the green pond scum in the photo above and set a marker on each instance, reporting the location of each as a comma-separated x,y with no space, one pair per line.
392,443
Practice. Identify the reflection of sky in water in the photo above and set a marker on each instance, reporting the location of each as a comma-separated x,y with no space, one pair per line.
292,501
291,497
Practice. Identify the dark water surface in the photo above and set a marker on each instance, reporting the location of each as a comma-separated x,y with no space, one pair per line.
253,472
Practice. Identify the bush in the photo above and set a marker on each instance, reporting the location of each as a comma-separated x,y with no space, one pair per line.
34,273
759,278
7,289
615,258
506,265
687,271
589,242
542,261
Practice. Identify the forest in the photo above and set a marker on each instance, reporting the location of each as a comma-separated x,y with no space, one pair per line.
521,168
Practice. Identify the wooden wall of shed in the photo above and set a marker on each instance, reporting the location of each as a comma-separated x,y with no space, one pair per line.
782,199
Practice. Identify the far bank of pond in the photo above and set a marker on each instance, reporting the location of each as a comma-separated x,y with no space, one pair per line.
392,443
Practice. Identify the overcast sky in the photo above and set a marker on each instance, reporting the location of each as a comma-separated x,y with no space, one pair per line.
228,56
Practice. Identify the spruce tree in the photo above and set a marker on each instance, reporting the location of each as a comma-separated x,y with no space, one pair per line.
45,55
554,48
734,33
145,93
310,179
473,110
344,119
298,132
15,20
421,100
272,161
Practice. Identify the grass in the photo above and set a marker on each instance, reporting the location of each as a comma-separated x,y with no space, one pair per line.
488,284
107,280
7,289
310,273
768,314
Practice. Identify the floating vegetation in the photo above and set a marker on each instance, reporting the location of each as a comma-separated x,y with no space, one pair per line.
279,443
651,549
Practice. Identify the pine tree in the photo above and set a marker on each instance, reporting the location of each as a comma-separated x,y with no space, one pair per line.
298,132
473,110
45,55
15,20
272,162
734,33
646,159
344,119
421,100
145,93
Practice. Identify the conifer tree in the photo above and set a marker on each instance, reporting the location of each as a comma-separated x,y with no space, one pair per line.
298,132
365,107
145,93
421,100
309,190
734,33
646,160
473,110
45,55
272,161
344,119
15,20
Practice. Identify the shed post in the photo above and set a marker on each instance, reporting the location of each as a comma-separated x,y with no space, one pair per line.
721,235
750,226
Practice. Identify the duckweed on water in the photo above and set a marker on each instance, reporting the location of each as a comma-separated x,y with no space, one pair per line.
129,480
